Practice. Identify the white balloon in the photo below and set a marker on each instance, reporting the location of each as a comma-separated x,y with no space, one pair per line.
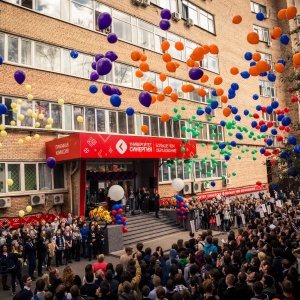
177,184
116,192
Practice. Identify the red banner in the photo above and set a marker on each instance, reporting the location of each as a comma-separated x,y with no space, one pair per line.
92,145
15,222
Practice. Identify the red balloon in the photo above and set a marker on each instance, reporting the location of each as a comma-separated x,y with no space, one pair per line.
181,204
125,229
265,139
279,138
257,127
258,183
270,124
273,37
281,127
120,210
261,122
294,99
113,212
179,217
177,210
275,152
278,111
291,90
255,116
287,129
183,217
263,109
267,153
286,109
123,219
114,220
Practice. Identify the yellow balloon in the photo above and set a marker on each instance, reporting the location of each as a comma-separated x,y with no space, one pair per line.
80,119
29,97
15,110
28,138
3,133
13,123
0,145
21,213
36,136
41,116
48,127
2,127
28,208
50,121
34,115
13,105
20,141
19,101
28,87
21,117
61,101
29,112
10,182
37,124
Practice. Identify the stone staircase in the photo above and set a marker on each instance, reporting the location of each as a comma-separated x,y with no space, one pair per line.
145,227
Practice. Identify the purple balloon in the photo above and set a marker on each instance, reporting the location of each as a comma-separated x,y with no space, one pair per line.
116,91
94,65
98,56
104,20
166,14
94,76
51,162
107,90
112,38
164,24
19,76
195,73
111,55
104,66
145,99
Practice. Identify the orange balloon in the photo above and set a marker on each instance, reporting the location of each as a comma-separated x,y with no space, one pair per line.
190,63
201,92
226,111
256,56
148,86
213,49
262,66
237,19
184,88
162,77
296,59
198,52
168,90
165,45
166,57
144,67
144,128
160,97
281,14
205,48
153,99
277,32
164,117
179,46
291,12
253,71
224,99
234,71
190,88
279,67
170,66
219,92
177,64
174,97
139,74
143,57
155,89
136,55
253,38
196,65
218,80
204,78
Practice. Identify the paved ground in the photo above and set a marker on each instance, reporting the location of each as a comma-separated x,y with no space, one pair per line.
78,267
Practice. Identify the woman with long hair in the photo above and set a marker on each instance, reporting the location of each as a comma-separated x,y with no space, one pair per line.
3,266
17,255
69,278
76,243
54,279
68,244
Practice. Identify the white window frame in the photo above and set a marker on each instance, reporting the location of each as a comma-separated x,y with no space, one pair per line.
263,33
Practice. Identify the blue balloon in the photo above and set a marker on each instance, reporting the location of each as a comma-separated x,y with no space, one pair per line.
222,145
118,216
178,198
229,106
214,104
106,89
226,157
233,143
115,100
246,112
177,206
274,131
263,128
280,117
253,63
284,39
260,16
1,60
124,223
208,110
185,205
3,109
234,110
297,149
223,123
235,86
253,124
237,118
239,136
200,112
274,104
281,61
115,207
262,150
245,74
275,187
292,140
93,89
129,111
213,183
269,142
263,74
258,107
74,54
255,97
231,91
248,55
231,96
214,93
119,221
120,205
286,121
269,109
271,77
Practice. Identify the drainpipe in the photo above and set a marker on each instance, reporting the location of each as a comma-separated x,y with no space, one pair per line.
71,184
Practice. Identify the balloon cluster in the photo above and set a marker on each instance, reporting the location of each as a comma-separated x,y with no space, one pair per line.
181,208
22,212
117,211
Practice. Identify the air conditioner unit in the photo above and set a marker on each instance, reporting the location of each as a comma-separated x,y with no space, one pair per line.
197,187
145,2
227,181
269,43
137,2
176,16
58,199
266,16
187,189
189,23
5,202
37,199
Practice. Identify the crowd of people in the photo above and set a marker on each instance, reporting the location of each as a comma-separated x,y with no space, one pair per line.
259,260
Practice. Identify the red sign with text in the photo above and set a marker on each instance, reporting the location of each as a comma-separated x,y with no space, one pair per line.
92,145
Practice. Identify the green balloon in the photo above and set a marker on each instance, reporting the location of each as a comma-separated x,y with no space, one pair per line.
212,155
182,149
209,100
185,140
239,157
223,177
254,139
199,107
220,134
250,115
247,150
209,119
183,128
243,151
245,129
178,116
254,158
249,136
200,170
238,146
182,108
190,122
193,117
213,134
196,155
225,165
206,181
215,147
222,151
193,197
202,144
263,136
197,124
175,110
201,126
229,147
233,173
188,130
208,174
213,127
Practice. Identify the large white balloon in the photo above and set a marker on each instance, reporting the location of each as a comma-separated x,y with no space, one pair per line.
177,184
116,192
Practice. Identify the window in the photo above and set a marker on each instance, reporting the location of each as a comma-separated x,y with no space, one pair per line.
12,54
81,66
206,21
28,121
256,7
89,119
210,62
215,132
131,124
154,125
189,11
266,57
26,52
3,185
176,129
42,110
100,120
48,7
56,115
27,3
162,129
266,88
121,26
123,74
165,176
274,139
14,174
145,35
170,4
2,45
263,33
68,118
112,121
30,173
47,57
146,121
45,178
269,117
58,176
10,115
81,15
77,111
122,124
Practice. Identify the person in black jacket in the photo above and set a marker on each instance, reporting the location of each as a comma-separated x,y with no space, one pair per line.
156,203
100,238
232,292
243,287
92,241
41,251
26,291
30,250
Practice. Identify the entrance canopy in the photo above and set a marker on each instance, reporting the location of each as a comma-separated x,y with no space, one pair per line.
93,145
